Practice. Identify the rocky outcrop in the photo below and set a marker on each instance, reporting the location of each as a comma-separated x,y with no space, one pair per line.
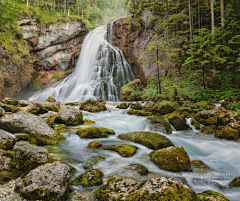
54,46
7,140
134,43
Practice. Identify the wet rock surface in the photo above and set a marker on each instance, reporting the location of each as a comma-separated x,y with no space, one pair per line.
95,132
123,150
7,140
93,106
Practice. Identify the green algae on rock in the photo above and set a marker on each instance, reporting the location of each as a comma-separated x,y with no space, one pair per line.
161,121
159,188
88,121
207,130
149,139
211,196
234,183
90,178
123,150
94,106
94,145
95,132
89,164
123,106
199,165
137,167
228,133
173,159
136,106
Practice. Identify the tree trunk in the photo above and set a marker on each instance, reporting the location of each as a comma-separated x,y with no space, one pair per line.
199,15
213,32
159,83
190,19
222,12
78,8
27,4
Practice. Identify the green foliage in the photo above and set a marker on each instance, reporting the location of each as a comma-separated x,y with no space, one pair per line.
204,106
134,26
190,105
234,106
56,76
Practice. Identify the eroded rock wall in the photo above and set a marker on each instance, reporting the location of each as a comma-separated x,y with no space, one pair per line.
55,46
134,43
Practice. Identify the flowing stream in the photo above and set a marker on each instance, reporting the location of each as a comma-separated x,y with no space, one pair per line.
100,73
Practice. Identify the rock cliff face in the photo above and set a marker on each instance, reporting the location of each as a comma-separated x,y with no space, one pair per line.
134,43
55,46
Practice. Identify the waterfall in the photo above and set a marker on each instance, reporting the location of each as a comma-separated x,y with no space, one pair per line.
100,72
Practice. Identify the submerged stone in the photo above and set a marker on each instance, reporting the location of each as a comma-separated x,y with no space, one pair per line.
123,150
149,139
89,164
173,159
199,165
137,167
90,178
159,188
95,132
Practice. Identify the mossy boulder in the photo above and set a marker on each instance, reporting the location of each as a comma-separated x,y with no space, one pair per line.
207,130
10,101
73,103
234,183
133,112
178,121
50,99
10,108
88,121
123,150
158,120
49,117
34,126
21,137
212,121
69,116
199,166
211,196
196,125
7,140
90,178
123,106
89,164
149,139
34,108
173,159
159,188
228,133
94,106
127,91
136,106
144,113
59,127
95,132
140,169
164,107
50,106
94,145
28,156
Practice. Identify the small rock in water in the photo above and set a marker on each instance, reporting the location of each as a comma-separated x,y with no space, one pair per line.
123,150
94,145
95,132
139,168
89,164
211,196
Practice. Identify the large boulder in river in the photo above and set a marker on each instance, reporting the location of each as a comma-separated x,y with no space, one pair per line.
123,150
159,188
36,127
7,140
149,139
93,106
158,123
69,116
90,178
173,159
46,182
28,156
211,196
178,121
228,133
95,132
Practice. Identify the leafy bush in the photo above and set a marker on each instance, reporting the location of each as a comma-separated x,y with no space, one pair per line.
234,106
190,105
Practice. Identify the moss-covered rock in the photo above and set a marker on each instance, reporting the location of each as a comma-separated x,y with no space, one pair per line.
95,132
89,164
212,121
88,121
123,150
196,125
159,188
128,91
50,106
144,113
133,112
7,140
21,137
173,159
228,133
164,107
178,121
93,106
90,178
162,122
207,130
10,101
10,108
199,166
140,169
234,183
50,99
59,127
136,106
123,106
94,145
149,139
148,107
69,116
211,196
73,103
49,117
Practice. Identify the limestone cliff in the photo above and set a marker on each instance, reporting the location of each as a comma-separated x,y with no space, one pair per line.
134,43
55,46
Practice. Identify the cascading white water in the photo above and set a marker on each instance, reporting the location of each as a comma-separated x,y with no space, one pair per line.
100,72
